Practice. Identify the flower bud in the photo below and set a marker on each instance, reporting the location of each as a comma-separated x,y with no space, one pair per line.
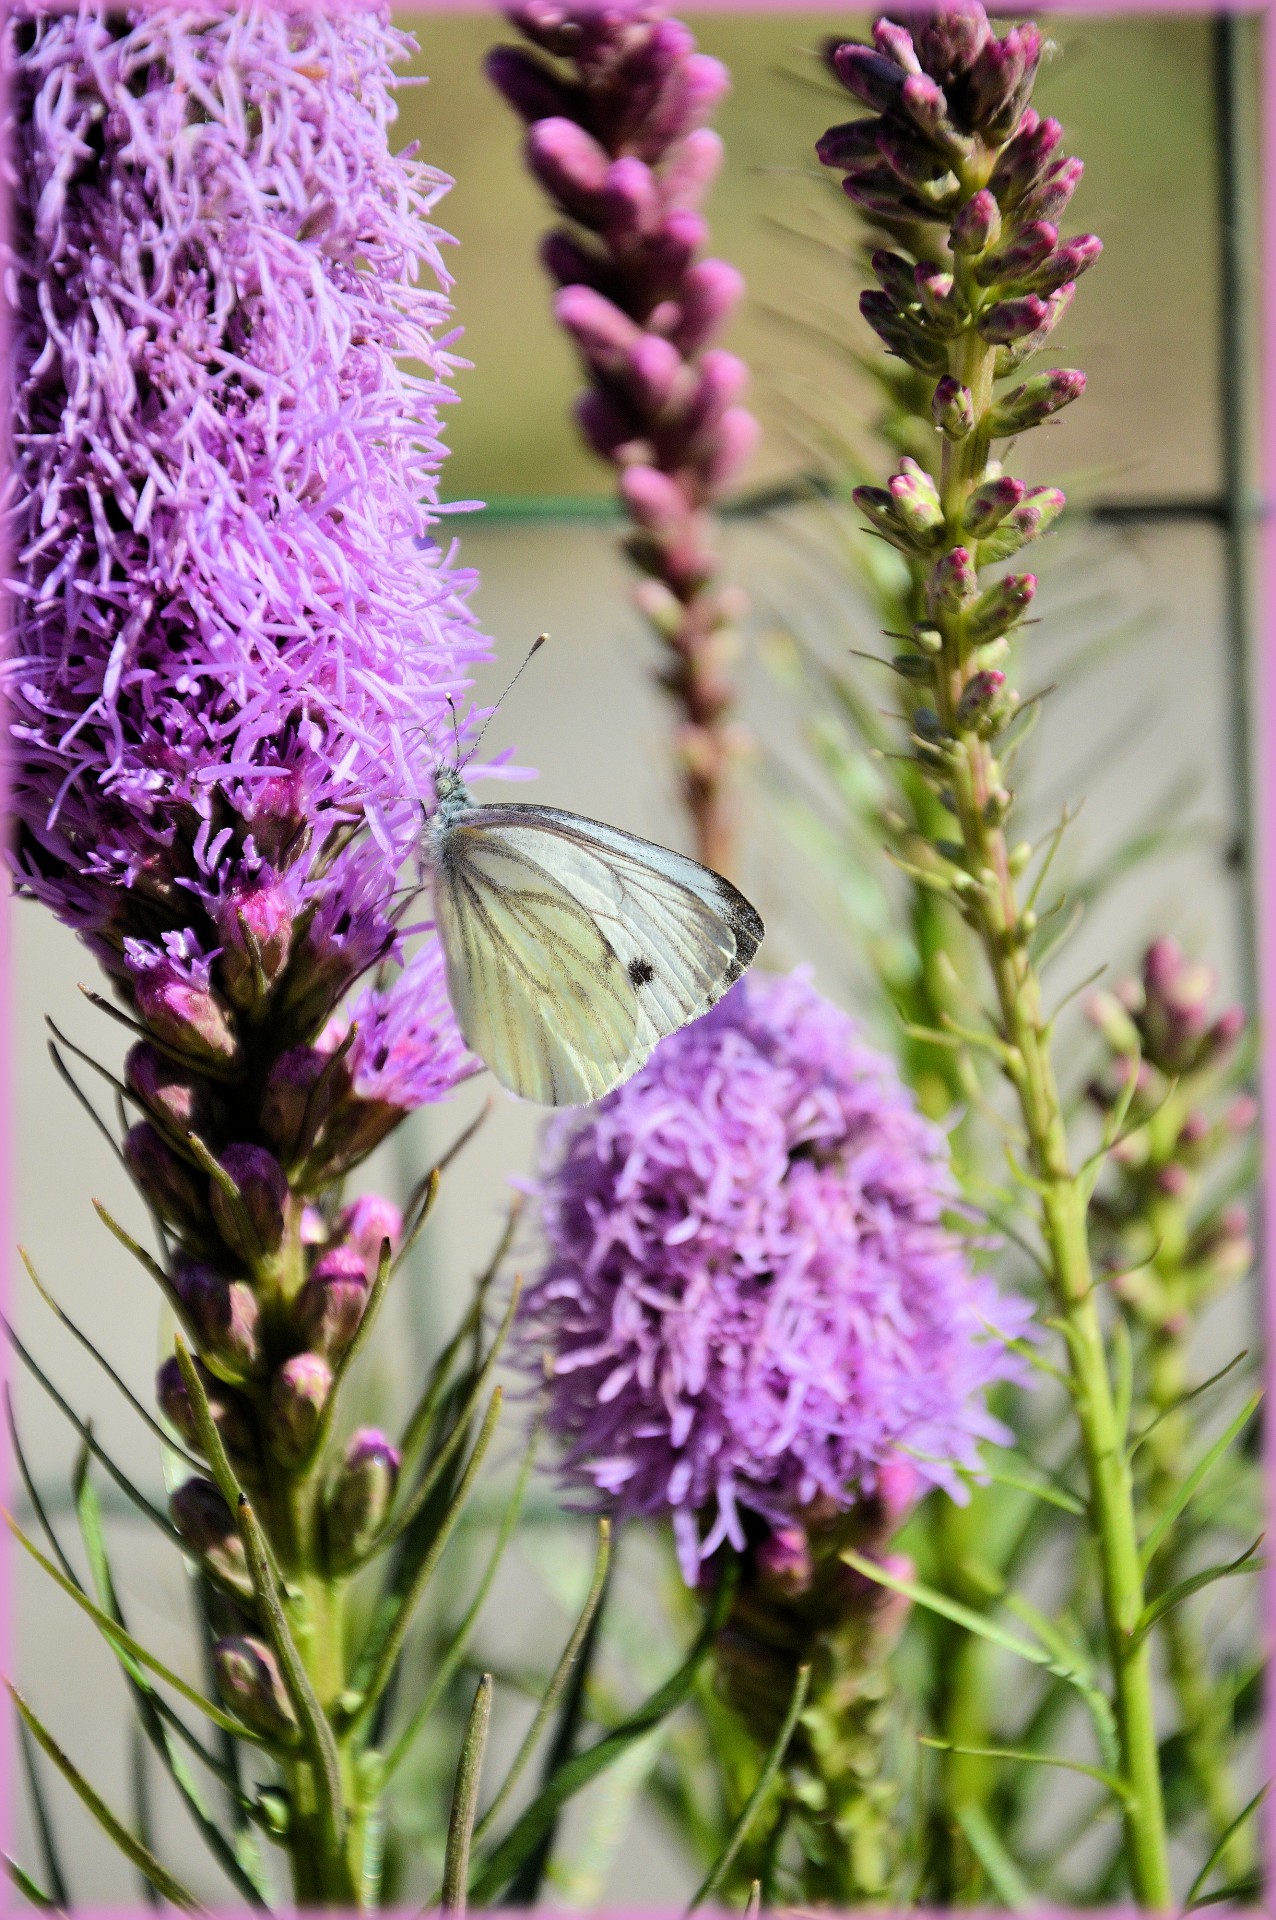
691,169
178,1102
298,1394
708,295
898,277
852,144
250,1684
901,336
656,501
1067,262
953,582
605,336
366,1224
231,1414
1050,199
912,159
361,1496
977,225
949,41
1024,159
330,1305
927,107
916,500
952,408
736,441
225,1317
879,191
292,1097
997,87
1001,607
1036,400
1036,513
176,1190
207,1526
631,201
895,42
1010,320
190,1018
943,309
986,704
255,926
873,79
529,86
989,504
784,1563
1031,245
255,1225
1012,356
571,166
878,509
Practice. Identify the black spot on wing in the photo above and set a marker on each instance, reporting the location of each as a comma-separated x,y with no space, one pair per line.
641,971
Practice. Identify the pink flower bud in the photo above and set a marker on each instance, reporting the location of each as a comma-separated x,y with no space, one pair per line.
367,1224
529,86
989,504
953,582
631,200
206,1524
1000,608
949,40
952,408
606,336
977,225
255,926
850,145
872,78
655,371
709,293
998,84
179,1102
232,1415
691,169
190,1018
656,502
1049,200
330,1305
225,1316
173,1187
298,1394
1024,160
1068,262
1012,319
1036,400
1030,246
571,166
249,1681
896,43
361,1496
256,1225
737,437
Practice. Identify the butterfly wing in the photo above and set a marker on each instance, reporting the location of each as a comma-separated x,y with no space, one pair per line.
537,989
578,946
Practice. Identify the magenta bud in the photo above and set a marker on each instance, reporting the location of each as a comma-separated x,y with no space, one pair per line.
699,86
361,1496
708,295
605,336
1040,508
1024,160
298,1395
936,291
529,86
926,106
1012,320
631,199
953,582
1011,356
915,498
253,1225
571,166
205,1523
1031,245
656,502
952,408
897,276
1000,608
1036,400
1000,80
655,371
367,1224
293,1099
231,1414
249,1682
784,1563
723,378
949,40
1050,199
175,1190
989,504
189,1018
1067,263
572,264
986,705
873,79
691,169
255,926
977,225
912,159
330,1305
178,1101
225,1317
735,443
852,144
606,424
895,42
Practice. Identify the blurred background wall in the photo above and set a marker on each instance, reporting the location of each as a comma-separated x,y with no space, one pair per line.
1143,728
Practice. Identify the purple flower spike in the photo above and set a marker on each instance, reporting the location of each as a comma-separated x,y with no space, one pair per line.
748,1296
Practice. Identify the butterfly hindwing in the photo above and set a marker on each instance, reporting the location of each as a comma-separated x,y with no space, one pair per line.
573,947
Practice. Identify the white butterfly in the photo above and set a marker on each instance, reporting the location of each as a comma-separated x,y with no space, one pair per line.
571,947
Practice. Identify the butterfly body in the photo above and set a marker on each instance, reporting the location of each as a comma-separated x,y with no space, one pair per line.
571,947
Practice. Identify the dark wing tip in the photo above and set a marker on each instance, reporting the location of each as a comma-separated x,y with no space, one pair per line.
744,921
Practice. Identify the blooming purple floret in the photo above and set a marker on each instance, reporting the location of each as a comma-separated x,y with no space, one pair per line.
236,636
750,1296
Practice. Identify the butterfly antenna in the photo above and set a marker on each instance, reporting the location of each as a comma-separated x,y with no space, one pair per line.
456,732
535,648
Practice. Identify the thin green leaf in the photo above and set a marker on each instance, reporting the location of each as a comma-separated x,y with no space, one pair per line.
166,1439
1192,1393
753,1805
397,1525
394,1616
460,1829
49,1852
1239,1893
82,1099
27,1887
1004,1877
142,1858
577,1772
1204,1466
553,1692
316,1728
146,1262
120,1478
142,1808
155,1717
119,1638
423,1414
33,1495
961,1616
1109,1780
1055,1495
1221,1846
1184,1589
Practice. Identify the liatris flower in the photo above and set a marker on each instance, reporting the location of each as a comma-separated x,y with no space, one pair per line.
750,1299
617,137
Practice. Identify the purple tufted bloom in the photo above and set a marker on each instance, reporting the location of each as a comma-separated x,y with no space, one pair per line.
750,1296
235,630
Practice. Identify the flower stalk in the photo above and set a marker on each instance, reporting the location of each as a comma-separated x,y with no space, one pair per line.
955,143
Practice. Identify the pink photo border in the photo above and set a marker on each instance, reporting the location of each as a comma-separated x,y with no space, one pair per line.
1264,796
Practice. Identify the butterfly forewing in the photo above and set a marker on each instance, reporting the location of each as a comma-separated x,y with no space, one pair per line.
572,947
537,988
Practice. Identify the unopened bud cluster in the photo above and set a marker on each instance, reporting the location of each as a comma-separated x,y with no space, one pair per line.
616,102
1169,1086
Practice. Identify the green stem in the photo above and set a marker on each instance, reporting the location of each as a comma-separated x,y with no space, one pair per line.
1004,929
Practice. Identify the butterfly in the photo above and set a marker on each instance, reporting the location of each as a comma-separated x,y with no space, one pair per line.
570,947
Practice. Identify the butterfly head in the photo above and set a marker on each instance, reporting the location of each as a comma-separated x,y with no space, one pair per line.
450,791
